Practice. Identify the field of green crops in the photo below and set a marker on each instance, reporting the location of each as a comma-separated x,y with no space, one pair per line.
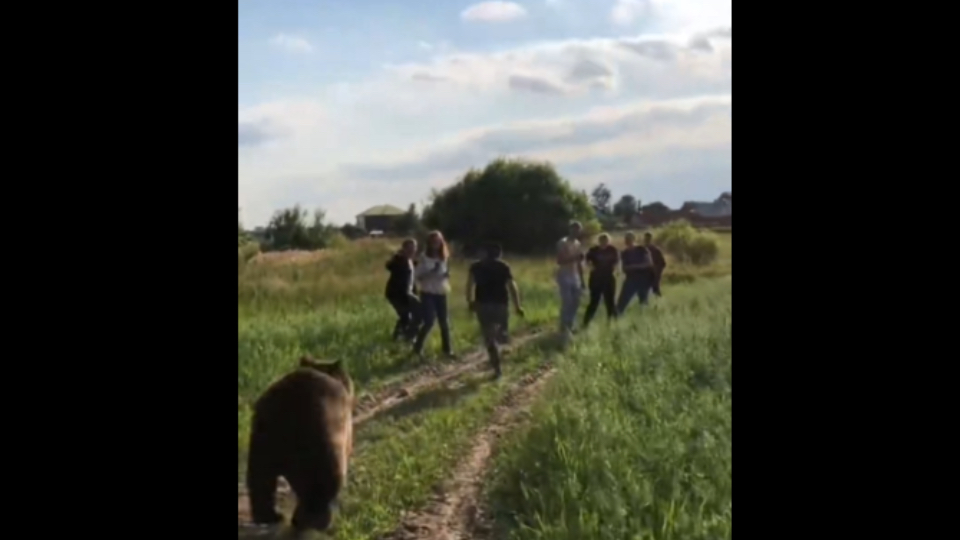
629,438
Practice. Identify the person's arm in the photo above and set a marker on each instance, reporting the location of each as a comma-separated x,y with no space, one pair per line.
514,295
421,270
647,261
513,290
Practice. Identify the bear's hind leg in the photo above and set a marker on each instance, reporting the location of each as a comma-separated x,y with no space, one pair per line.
262,484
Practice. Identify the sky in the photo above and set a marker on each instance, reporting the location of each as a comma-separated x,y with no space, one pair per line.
347,105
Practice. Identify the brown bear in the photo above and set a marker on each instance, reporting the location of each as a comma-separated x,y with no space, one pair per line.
302,430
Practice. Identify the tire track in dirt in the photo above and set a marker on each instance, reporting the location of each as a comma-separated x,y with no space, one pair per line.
456,513
389,396
393,394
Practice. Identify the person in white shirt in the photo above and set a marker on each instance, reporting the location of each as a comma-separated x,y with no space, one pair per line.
570,276
433,275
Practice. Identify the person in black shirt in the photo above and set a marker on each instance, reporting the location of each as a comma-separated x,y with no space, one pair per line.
400,292
488,282
603,259
658,260
638,273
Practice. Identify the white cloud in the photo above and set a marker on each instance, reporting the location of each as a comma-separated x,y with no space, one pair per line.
651,115
291,43
626,12
495,11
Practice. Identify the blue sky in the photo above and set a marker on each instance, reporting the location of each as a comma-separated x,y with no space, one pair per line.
346,105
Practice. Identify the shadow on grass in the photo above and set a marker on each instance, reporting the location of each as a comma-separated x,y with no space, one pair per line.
448,395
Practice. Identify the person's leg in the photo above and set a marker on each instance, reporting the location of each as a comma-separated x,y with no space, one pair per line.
566,304
487,317
401,322
429,316
643,291
596,290
503,335
414,316
627,290
441,310
656,283
609,291
562,291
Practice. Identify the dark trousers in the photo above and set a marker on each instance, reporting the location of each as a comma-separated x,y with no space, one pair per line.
409,314
434,311
634,286
492,317
656,282
605,287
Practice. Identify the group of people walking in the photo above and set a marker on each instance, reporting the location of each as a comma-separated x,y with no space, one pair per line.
490,284
642,267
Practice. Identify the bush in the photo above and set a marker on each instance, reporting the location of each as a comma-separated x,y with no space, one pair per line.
247,251
687,244
524,205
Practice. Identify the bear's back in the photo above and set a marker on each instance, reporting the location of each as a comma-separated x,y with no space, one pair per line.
305,402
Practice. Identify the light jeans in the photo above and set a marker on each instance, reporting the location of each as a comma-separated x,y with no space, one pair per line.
570,292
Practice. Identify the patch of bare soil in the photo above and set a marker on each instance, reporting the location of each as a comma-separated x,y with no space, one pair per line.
456,513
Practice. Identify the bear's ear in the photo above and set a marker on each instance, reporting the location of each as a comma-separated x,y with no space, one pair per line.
335,369
307,362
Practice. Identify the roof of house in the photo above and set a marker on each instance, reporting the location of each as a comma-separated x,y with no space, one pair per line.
382,210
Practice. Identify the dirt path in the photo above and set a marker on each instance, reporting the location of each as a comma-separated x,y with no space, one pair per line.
456,513
391,395
395,393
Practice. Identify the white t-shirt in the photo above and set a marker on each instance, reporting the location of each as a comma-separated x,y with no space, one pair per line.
568,271
433,282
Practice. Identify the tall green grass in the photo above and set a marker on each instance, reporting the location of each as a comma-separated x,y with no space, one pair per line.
632,438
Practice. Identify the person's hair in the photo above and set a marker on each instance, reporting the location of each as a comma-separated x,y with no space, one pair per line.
648,235
442,253
407,242
602,236
492,250
629,235
576,223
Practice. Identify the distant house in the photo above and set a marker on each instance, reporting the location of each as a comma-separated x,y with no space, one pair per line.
381,218
721,207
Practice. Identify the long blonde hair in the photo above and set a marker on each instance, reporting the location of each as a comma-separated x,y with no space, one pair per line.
430,251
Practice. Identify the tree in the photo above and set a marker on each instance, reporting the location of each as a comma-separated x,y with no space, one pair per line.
290,228
409,222
351,231
525,206
655,208
626,208
600,199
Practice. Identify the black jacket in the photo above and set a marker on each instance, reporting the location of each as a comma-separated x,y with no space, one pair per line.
400,282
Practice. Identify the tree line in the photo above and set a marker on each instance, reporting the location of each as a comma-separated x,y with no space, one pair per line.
524,205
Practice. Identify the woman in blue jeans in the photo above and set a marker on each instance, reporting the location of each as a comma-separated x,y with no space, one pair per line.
433,275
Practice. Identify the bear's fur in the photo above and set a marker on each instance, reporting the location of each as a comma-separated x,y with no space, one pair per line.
302,430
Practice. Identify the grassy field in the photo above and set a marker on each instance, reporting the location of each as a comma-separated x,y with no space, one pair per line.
630,438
